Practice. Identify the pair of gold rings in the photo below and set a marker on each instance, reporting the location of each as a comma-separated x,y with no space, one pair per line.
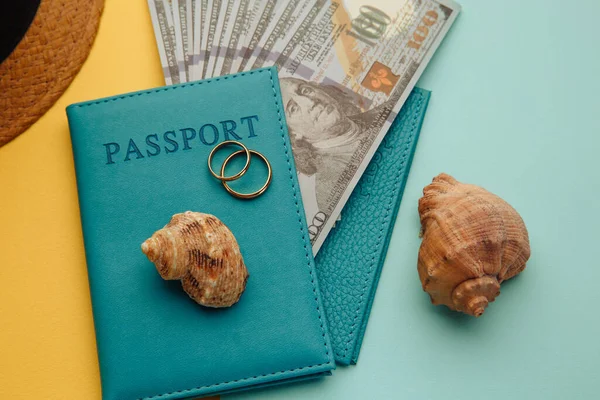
224,179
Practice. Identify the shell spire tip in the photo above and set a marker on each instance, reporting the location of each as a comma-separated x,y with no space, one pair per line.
150,250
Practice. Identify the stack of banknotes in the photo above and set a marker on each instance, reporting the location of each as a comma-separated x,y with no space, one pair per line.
345,67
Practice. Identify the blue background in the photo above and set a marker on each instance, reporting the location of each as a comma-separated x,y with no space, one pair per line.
514,109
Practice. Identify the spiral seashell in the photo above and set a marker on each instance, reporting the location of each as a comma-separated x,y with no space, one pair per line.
472,242
202,252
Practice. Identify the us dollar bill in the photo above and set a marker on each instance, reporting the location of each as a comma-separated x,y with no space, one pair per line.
293,38
223,15
229,8
232,35
285,20
190,7
343,82
253,12
180,26
208,35
164,32
258,26
200,11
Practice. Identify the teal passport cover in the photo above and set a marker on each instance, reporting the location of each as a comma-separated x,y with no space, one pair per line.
349,262
140,158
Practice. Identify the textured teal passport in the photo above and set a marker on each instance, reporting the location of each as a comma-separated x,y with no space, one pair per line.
139,159
350,261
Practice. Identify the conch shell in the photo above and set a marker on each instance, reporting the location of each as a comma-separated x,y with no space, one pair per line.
202,252
472,242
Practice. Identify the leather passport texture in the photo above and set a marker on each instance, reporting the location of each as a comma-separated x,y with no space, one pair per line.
139,159
350,261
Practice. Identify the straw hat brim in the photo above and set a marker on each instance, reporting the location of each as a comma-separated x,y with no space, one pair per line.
45,61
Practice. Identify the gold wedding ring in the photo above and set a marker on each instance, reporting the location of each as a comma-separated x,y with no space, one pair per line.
222,177
253,194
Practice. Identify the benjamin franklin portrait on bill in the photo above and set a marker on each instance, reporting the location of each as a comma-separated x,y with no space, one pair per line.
326,128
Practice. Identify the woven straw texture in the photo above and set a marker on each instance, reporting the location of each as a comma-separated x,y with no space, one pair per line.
45,62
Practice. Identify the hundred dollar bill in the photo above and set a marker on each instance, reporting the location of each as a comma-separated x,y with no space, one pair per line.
222,30
287,18
189,17
208,34
256,9
306,23
179,22
200,12
162,21
231,37
342,85
257,28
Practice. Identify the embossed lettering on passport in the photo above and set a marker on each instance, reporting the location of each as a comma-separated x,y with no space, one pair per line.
184,138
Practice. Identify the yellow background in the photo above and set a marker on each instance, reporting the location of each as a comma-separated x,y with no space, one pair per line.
47,341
